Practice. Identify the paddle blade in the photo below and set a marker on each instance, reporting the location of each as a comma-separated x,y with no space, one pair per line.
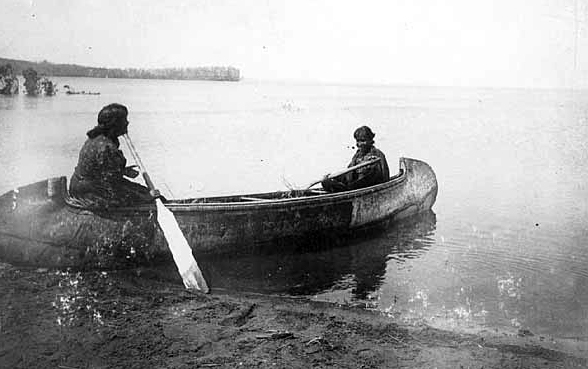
181,251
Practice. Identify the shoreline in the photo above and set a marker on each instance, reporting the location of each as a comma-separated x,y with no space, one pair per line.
129,319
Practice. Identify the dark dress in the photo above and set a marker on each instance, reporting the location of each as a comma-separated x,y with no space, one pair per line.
363,177
98,179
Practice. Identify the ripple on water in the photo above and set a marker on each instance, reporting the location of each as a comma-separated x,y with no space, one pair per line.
510,278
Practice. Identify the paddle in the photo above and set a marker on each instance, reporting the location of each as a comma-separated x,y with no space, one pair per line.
345,171
181,251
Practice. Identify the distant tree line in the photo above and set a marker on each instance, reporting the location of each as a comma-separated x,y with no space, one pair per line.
37,85
8,80
73,70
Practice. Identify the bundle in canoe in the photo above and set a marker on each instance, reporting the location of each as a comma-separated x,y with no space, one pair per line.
41,225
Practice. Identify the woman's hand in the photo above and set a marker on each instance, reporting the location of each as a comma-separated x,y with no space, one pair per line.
131,172
155,194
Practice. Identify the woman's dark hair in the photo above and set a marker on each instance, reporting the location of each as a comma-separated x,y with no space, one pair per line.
109,119
364,133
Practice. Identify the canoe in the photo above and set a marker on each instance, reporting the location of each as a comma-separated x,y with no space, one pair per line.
41,225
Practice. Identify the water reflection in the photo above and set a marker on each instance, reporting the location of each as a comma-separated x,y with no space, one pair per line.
8,102
355,263
35,102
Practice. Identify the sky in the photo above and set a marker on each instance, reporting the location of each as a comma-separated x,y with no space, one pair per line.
499,43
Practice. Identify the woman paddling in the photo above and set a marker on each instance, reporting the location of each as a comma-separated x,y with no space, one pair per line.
99,178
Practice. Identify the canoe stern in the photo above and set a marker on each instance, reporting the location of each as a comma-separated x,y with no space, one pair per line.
37,227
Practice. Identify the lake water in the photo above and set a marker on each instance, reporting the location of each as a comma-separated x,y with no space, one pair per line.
504,248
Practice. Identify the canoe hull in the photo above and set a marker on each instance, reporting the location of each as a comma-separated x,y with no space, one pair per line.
41,227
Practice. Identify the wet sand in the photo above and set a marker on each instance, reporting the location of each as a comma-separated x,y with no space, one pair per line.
132,319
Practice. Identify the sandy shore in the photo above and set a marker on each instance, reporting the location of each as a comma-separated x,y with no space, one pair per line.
129,319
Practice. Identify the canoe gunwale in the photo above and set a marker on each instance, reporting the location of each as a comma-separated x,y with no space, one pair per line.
326,198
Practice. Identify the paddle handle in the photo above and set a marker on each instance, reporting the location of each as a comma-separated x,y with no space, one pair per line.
137,159
351,169
345,171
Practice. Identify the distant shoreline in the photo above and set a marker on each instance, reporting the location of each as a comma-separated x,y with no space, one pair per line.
210,73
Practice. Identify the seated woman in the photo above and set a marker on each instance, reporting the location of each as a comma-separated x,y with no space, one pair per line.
98,179
366,176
